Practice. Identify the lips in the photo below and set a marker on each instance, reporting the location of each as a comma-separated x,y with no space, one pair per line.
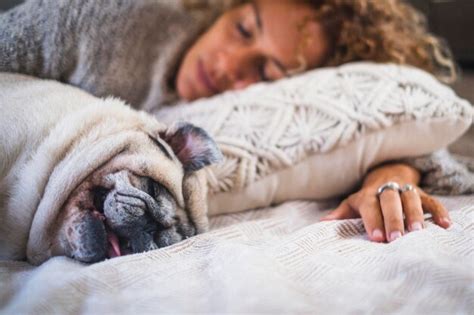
205,79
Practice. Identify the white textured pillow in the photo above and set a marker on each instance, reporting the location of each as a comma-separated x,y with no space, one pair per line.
316,135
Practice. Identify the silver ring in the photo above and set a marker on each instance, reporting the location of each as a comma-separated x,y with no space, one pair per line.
388,185
407,187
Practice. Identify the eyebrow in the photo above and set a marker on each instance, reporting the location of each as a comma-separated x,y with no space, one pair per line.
258,21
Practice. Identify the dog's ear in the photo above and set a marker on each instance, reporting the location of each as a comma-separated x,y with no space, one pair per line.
192,146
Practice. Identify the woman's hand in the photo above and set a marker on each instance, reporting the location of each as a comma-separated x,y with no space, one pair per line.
386,216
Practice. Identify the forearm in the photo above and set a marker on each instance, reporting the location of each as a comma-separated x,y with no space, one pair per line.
443,174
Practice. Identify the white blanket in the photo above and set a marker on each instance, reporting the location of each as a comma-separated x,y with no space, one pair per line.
277,260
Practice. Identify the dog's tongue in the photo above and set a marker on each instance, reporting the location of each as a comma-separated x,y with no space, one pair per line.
114,247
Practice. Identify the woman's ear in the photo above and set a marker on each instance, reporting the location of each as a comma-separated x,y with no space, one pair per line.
192,146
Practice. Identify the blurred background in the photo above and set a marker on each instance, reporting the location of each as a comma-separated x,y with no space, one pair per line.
454,21
450,19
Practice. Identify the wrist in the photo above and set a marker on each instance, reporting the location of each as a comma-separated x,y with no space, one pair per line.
398,173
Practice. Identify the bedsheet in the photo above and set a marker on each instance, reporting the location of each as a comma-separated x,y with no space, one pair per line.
273,260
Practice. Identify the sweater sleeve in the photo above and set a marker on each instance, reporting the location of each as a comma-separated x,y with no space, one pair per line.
37,38
444,173
127,49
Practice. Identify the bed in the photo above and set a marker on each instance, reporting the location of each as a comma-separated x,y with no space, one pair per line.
278,259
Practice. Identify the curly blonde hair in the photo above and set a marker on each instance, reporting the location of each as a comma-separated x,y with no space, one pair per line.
375,30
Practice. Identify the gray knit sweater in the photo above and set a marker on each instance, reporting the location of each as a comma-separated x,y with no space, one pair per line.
131,49
126,48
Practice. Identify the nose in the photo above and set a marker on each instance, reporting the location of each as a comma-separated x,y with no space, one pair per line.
236,67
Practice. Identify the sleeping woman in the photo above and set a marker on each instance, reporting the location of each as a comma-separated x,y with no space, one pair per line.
153,53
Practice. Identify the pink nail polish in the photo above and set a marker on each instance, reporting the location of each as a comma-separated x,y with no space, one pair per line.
377,234
326,218
416,226
394,235
446,221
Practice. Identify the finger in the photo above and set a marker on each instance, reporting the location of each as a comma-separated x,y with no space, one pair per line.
371,214
413,210
343,211
436,208
392,214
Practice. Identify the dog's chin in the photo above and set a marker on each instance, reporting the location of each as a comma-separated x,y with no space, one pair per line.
84,233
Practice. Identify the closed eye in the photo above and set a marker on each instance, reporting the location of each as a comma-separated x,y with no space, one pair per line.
245,33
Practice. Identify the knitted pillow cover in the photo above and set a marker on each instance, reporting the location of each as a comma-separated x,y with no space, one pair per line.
315,136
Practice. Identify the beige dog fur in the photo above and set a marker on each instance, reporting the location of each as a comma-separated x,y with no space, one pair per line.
52,137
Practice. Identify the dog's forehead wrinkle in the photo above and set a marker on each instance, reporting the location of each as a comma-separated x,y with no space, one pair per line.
143,167
134,203
124,187
161,146
119,178
122,214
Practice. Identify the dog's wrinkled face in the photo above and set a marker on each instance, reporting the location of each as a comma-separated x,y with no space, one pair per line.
131,214
118,213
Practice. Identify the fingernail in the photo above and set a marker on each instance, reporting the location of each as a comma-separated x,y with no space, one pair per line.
326,218
377,234
394,235
446,221
415,226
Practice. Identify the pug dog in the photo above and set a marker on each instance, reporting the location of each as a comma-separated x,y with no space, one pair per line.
91,178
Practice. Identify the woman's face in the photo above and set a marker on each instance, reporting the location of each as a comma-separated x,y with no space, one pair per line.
263,40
